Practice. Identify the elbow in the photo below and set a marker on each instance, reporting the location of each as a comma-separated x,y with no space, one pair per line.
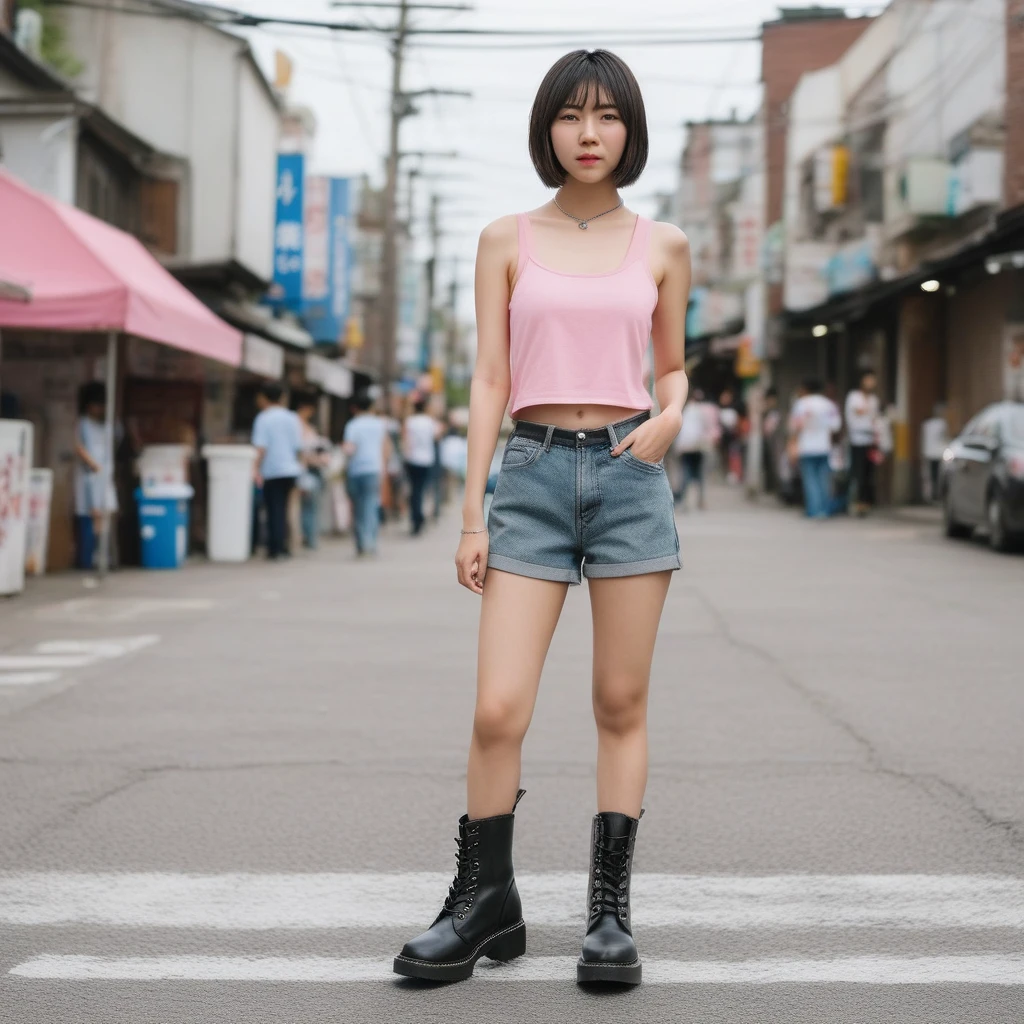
500,383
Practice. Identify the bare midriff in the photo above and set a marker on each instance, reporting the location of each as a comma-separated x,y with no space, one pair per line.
575,417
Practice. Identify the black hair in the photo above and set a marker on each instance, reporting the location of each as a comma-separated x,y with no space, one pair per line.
772,392
272,391
569,82
362,401
868,371
420,405
812,386
301,399
90,394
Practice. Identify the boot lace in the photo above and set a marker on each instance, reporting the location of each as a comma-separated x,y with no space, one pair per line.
462,891
610,891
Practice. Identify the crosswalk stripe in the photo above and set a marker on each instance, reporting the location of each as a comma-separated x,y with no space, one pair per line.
27,678
238,901
985,969
32,661
34,669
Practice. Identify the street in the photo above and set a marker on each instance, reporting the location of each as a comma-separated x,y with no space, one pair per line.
229,793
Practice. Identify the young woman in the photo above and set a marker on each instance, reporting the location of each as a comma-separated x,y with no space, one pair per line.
564,317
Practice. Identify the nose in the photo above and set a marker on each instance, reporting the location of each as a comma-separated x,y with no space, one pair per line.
588,128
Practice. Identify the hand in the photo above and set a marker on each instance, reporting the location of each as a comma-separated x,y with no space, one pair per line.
471,561
652,439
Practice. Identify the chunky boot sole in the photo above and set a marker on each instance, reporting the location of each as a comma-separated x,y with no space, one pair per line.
504,945
621,974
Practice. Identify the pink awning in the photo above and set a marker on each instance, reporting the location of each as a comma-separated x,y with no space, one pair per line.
84,275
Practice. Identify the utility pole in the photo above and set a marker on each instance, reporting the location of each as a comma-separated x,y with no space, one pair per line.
426,355
389,255
453,330
401,106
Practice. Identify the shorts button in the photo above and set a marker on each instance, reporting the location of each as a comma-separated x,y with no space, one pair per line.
582,436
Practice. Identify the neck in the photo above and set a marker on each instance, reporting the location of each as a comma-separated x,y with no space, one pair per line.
588,200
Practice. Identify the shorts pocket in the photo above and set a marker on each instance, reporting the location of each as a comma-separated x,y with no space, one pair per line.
648,467
520,453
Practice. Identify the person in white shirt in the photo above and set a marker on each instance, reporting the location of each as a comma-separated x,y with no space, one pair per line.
695,437
862,425
419,436
934,439
813,421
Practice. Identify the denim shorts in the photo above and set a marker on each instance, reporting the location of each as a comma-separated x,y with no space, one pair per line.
563,500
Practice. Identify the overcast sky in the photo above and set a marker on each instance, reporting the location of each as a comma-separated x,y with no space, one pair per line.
345,77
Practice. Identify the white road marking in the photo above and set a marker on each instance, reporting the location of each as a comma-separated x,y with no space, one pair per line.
986,969
27,678
29,669
258,902
108,647
30,661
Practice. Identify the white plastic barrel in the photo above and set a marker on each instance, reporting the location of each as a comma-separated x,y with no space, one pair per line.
163,464
229,508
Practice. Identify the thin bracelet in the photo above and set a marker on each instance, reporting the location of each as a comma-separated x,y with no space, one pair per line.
484,530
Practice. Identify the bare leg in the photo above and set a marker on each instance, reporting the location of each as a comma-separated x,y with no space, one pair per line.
626,613
517,621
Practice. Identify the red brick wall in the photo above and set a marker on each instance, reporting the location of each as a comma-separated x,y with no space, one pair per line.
1014,156
788,50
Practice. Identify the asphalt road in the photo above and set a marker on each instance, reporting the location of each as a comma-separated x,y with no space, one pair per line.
220,788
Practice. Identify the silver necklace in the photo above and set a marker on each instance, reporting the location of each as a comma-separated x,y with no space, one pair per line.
580,222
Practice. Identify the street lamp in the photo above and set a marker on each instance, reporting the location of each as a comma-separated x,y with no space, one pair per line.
819,330
930,286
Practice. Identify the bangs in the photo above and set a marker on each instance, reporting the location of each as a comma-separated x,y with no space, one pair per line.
571,82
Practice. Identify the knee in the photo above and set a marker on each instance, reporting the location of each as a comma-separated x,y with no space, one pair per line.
498,722
620,709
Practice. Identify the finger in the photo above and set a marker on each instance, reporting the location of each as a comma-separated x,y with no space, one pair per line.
625,443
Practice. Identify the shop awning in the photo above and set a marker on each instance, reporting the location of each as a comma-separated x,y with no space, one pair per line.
84,275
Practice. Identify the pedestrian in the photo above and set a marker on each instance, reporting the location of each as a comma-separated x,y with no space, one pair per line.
729,420
692,442
862,425
367,444
277,436
771,420
315,456
568,297
814,421
95,491
420,434
934,441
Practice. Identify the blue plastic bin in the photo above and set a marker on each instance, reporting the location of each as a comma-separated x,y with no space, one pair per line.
163,526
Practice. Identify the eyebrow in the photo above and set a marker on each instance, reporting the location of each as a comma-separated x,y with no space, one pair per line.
597,106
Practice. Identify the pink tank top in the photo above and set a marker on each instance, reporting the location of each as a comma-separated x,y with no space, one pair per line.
581,338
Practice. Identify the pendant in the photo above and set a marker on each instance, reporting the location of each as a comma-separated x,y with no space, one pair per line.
583,225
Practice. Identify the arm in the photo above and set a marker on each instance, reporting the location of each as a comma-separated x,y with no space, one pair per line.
489,390
83,454
259,441
671,266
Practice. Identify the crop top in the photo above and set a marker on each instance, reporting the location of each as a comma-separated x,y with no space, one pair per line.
581,338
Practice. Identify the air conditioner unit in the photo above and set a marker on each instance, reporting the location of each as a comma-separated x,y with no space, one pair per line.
924,187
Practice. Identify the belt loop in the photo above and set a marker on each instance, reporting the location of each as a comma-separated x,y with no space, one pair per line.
548,436
611,435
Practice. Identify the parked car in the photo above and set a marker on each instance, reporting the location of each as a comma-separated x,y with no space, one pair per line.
982,480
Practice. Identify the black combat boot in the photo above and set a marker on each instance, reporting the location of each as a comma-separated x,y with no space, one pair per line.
609,952
482,915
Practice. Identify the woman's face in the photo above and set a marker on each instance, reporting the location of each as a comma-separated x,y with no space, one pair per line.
589,141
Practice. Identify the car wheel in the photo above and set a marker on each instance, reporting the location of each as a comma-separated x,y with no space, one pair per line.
954,528
998,537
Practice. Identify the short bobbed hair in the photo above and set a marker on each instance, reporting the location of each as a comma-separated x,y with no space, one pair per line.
569,82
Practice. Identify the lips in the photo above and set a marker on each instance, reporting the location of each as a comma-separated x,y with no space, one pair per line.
587,159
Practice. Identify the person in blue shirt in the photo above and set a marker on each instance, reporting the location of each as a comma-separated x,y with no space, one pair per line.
277,436
368,447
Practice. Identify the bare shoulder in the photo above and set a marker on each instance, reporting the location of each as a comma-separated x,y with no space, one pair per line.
499,233
670,239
